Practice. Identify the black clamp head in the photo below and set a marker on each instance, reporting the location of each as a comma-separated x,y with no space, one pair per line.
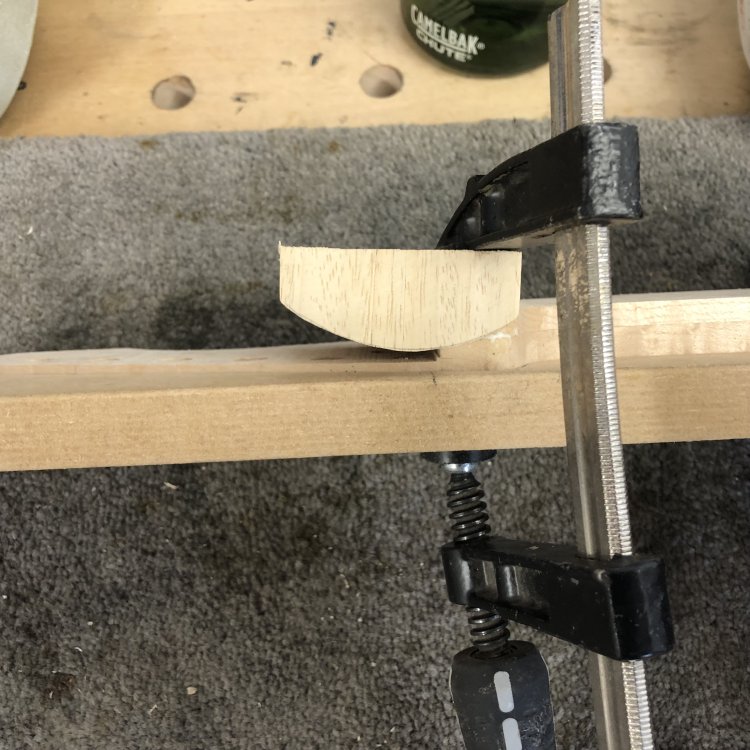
587,175
618,608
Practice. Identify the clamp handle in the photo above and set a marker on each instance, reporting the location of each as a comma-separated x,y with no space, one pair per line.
504,702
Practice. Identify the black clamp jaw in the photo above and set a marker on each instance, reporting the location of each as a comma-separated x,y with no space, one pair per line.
587,175
617,608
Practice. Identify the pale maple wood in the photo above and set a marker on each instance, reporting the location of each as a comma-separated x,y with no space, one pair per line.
683,371
95,62
404,300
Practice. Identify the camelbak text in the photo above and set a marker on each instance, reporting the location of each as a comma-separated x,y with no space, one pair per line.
449,42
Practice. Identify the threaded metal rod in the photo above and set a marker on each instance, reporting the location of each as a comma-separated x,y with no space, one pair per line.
589,383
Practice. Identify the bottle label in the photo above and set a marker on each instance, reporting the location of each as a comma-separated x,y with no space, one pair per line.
444,41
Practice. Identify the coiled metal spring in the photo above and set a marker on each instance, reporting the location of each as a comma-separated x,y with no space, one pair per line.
489,631
469,522
468,511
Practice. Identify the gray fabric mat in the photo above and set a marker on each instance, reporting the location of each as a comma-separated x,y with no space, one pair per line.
303,600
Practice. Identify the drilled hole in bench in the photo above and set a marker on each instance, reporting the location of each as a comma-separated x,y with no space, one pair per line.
381,81
174,92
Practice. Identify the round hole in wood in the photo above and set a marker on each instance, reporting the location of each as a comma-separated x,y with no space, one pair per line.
174,92
381,81
607,71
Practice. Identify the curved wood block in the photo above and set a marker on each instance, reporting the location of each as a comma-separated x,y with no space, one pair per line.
404,300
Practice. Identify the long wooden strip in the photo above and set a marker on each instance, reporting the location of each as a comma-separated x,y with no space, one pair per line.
684,374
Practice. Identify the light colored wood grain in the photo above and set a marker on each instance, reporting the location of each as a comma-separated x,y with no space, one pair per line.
95,62
683,370
671,324
405,300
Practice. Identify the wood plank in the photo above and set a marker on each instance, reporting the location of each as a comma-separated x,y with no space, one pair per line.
95,63
403,300
684,374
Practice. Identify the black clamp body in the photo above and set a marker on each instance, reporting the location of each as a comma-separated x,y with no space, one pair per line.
587,175
618,608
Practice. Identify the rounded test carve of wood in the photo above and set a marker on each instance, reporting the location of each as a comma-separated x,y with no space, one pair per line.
404,300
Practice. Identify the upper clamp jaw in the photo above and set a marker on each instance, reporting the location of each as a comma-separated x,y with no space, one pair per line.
587,175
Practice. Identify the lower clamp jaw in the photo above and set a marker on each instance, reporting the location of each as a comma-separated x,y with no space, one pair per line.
618,608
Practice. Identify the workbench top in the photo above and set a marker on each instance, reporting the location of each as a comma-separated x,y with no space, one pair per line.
260,64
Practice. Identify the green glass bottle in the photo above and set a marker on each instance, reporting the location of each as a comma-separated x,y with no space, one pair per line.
489,37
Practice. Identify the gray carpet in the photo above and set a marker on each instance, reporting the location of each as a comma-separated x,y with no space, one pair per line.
299,604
